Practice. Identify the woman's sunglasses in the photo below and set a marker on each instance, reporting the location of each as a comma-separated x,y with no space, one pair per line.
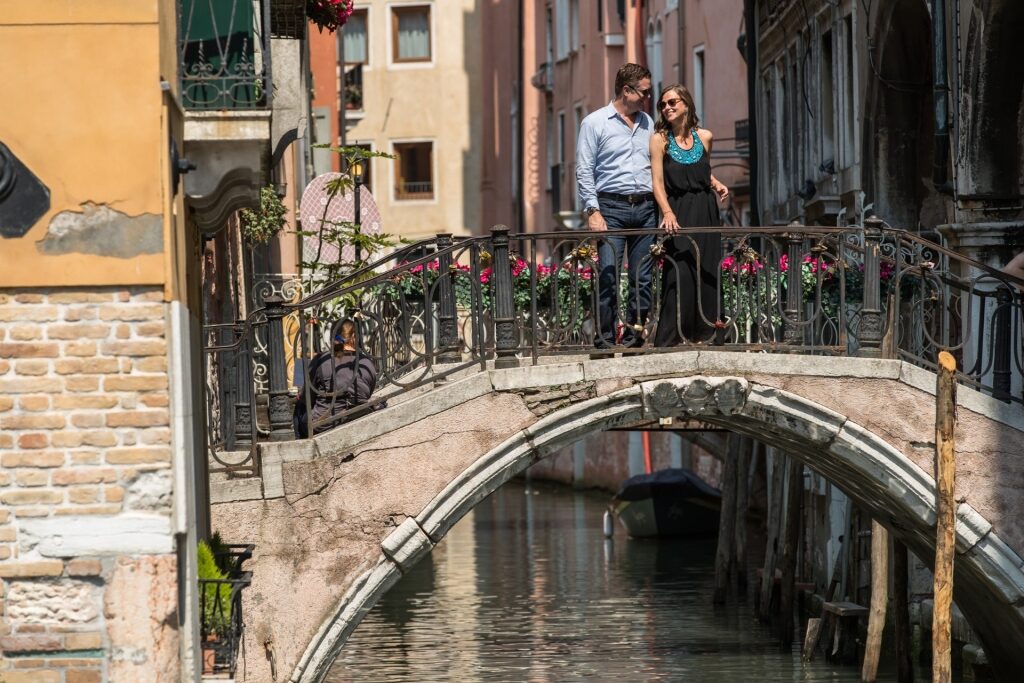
669,103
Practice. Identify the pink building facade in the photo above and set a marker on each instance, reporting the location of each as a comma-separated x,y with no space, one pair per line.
548,63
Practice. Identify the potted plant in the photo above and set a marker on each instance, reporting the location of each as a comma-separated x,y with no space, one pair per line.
215,604
261,225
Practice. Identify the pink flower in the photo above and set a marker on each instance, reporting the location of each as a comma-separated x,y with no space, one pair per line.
518,267
784,263
485,276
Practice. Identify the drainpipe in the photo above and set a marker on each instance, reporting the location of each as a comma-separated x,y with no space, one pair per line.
520,207
941,97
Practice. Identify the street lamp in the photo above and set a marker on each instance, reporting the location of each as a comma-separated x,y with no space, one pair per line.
357,177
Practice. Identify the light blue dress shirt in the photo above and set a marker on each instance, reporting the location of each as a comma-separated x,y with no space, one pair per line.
611,156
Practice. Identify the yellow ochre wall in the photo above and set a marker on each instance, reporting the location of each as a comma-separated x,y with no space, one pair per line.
84,110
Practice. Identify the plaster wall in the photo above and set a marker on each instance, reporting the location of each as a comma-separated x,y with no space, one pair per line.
100,149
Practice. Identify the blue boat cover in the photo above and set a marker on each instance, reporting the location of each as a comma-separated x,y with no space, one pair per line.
673,481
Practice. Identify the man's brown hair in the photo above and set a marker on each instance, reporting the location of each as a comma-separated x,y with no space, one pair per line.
629,74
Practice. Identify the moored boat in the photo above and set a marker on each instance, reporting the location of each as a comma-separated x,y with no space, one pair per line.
670,502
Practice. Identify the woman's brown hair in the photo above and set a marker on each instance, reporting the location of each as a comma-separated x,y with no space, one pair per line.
663,126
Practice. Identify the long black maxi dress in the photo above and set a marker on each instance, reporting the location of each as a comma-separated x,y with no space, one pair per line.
689,290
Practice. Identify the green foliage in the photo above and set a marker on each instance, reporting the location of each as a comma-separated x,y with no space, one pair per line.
261,225
216,598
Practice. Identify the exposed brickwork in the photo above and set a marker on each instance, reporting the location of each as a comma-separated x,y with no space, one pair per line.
84,433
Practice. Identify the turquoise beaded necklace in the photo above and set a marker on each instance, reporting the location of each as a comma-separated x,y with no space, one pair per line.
685,156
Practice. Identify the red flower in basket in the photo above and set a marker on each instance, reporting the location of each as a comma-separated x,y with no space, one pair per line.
329,14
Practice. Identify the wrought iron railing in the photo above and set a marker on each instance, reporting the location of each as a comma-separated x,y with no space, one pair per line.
224,54
441,307
222,624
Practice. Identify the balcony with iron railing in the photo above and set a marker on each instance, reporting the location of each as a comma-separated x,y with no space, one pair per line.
242,83
224,54
406,190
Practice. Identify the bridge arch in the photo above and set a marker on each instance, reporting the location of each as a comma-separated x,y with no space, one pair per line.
863,462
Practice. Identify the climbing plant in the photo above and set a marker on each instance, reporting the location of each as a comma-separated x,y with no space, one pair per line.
261,225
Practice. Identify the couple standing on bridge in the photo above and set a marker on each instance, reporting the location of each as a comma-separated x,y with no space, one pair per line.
631,170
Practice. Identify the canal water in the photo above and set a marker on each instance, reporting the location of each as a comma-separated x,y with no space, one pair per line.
526,588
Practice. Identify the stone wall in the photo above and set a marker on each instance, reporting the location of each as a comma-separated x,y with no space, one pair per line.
88,588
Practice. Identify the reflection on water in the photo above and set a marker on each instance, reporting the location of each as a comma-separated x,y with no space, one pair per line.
525,588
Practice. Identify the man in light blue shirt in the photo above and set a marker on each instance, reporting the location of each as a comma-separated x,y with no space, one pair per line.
613,173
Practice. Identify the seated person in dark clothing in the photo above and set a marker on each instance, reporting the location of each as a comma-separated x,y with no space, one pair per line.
339,380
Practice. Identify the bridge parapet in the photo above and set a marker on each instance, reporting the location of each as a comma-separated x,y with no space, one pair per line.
440,308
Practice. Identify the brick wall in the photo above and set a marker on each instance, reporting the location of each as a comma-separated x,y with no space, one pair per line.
87,570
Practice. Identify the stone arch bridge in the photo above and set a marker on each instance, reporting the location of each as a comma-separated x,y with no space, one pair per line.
337,519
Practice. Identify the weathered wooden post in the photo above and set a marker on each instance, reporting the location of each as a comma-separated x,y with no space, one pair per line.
1001,347
901,612
945,542
244,410
869,327
449,349
281,405
727,522
742,504
879,601
790,559
794,289
776,504
505,338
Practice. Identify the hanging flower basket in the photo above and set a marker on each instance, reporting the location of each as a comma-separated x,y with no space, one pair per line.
329,14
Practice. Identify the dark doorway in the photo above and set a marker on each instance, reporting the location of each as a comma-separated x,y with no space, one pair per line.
898,122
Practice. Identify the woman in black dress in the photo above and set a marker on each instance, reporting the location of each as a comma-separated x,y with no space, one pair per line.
686,193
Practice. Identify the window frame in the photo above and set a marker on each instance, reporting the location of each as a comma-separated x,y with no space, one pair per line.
394,11
365,11
396,172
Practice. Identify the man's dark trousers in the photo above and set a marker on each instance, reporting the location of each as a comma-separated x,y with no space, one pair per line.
622,214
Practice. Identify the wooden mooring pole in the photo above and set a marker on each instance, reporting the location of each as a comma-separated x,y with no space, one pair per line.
776,503
724,556
945,542
879,601
901,612
747,446
790,551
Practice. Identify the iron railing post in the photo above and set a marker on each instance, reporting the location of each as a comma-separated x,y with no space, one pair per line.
869,327
243,390
280,404
448,342
1001,345
505,341
793,333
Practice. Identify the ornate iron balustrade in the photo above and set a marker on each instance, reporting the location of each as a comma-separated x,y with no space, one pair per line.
224,54
222,625
441,307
